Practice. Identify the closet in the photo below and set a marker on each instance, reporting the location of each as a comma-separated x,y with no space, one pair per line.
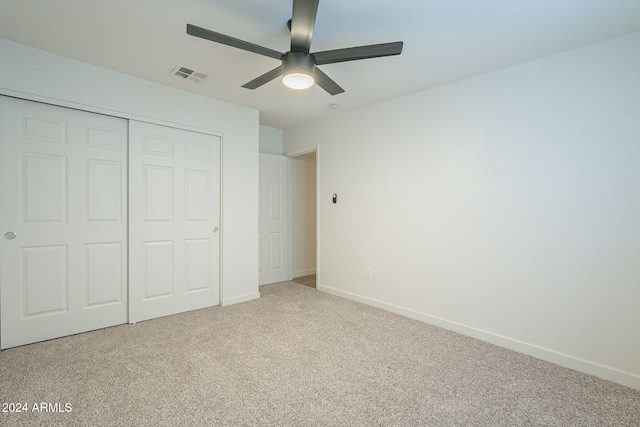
104,221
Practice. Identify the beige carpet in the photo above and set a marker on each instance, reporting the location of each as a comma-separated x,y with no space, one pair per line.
299,357
309,280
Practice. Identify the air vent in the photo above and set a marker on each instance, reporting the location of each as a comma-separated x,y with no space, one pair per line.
188,74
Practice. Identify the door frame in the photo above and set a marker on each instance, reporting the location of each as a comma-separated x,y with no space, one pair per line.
293,154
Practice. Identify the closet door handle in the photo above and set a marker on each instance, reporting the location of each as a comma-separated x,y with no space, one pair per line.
9,235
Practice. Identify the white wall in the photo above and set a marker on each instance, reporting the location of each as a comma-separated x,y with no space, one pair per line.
33,74
505,207
270,140
303,228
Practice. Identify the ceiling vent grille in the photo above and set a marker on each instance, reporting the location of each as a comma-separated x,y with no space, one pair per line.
188,74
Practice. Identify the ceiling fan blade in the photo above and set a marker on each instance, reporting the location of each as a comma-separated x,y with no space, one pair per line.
265,78
326,83
203,33
303,20
356,53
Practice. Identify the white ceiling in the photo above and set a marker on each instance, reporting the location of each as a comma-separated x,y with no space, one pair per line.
444,41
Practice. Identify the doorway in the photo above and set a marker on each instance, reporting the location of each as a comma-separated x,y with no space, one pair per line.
304,217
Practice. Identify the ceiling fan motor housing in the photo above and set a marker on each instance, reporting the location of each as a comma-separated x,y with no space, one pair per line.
298,62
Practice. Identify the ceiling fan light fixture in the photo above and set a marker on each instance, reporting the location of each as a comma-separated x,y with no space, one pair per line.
298,80
298,70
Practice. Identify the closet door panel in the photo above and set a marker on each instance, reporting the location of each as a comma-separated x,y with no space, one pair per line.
63,221
174,220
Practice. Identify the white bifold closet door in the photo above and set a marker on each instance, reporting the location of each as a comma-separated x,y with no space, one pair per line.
174,210
63,250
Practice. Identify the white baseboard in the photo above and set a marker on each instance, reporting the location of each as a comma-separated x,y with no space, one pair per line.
303,273
240,298
611,374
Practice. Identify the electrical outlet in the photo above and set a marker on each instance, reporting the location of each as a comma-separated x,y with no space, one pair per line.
367,272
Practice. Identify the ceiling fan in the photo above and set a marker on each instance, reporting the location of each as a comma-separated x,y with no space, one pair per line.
299,66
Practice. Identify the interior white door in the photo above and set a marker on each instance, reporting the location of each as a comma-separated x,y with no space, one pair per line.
63,220
174,236
272,220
